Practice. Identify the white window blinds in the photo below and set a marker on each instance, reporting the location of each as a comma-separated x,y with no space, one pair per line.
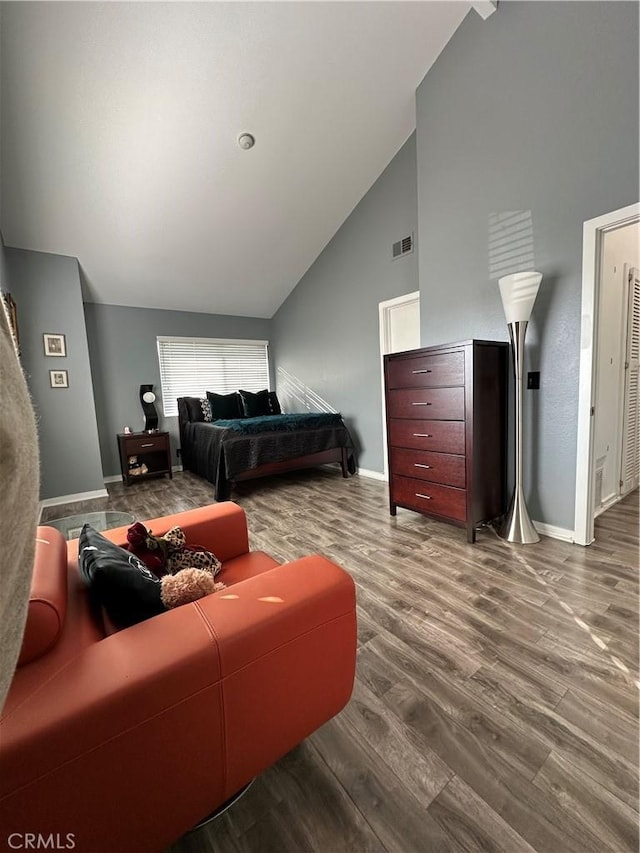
189,367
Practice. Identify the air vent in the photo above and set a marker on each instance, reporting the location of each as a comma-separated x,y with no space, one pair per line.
402,247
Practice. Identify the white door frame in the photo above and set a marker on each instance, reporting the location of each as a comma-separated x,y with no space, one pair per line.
384,311
592,239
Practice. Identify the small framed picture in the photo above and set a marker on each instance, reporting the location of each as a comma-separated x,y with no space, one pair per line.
59,378
55,345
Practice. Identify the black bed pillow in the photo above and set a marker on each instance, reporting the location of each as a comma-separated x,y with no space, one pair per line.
225,405
260,403
118,580
198,409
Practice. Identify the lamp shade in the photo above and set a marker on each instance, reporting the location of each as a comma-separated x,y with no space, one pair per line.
518,292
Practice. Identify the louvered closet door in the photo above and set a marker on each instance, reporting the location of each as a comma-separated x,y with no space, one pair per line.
630,468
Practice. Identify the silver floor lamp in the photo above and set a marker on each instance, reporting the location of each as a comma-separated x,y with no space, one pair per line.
518,292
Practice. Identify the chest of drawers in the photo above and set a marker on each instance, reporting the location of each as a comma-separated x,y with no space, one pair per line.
446,431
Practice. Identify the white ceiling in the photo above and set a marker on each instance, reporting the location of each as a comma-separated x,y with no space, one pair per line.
120,125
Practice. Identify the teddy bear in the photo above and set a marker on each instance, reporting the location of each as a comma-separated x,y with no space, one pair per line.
152,550
187,585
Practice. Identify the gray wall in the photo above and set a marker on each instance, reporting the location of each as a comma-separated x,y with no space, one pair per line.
124,355
326,333
46,289
535,109
4,281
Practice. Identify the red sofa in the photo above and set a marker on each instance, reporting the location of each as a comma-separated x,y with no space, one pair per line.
124,742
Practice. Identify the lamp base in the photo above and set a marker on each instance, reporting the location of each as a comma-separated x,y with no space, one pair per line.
517,525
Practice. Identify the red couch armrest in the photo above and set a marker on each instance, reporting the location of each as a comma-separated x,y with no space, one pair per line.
287,641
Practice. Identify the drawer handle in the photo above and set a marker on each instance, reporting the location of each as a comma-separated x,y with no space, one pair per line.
422,435
147,445
426,497
420,465
421,404
421,371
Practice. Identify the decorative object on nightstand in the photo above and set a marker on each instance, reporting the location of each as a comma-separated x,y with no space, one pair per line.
446,428
518,292
147,399
144,455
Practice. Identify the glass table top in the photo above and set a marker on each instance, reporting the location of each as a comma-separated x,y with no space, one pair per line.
71,525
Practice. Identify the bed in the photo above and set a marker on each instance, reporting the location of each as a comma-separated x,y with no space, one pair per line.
228,450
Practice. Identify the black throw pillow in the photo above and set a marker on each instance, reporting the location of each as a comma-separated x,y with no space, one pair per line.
118,580
256,405
274,404
224,406
198,409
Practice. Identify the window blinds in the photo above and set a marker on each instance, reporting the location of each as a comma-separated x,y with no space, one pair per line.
189,367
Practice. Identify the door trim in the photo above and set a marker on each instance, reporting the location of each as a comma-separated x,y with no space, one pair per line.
592,238
384,313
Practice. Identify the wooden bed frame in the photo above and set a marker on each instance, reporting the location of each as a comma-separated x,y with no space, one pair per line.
310,460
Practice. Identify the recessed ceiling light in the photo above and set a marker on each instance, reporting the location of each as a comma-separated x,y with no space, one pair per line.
246,141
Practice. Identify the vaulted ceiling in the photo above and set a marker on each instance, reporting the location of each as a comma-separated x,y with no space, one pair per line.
119,137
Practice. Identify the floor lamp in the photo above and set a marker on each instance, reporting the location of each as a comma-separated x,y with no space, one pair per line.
518,292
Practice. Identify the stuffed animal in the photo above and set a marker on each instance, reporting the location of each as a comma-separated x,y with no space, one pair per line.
183,556
152,550
136,468
169,553
187,585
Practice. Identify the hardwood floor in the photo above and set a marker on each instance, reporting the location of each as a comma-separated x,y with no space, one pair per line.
496,701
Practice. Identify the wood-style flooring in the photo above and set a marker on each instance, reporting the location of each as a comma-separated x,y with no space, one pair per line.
496,700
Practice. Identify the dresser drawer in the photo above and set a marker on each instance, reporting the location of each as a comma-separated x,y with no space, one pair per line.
430,403
429,498
435,467
426,371
442,436
145,444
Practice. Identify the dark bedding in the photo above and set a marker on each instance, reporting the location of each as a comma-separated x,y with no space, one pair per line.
223,450
280,423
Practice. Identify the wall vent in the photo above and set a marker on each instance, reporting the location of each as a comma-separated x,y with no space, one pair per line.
402,247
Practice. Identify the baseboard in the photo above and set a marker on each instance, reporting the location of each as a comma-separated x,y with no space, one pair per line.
373,475
607,504
70,499
554,532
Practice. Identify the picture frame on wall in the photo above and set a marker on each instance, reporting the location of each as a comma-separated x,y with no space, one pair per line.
55,345
59,378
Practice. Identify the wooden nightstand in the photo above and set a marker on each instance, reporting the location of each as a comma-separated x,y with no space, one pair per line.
151,449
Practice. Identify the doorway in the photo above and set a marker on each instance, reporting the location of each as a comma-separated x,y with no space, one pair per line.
608,398
399,331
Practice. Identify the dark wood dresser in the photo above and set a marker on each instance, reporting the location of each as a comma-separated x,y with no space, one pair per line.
446,431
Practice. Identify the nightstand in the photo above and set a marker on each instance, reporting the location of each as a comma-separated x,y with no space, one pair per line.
152,450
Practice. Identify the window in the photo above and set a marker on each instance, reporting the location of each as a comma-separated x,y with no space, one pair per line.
189,367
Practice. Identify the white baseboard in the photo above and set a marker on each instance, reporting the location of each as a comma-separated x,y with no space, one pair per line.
69,499
607,504
373,475
554,532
